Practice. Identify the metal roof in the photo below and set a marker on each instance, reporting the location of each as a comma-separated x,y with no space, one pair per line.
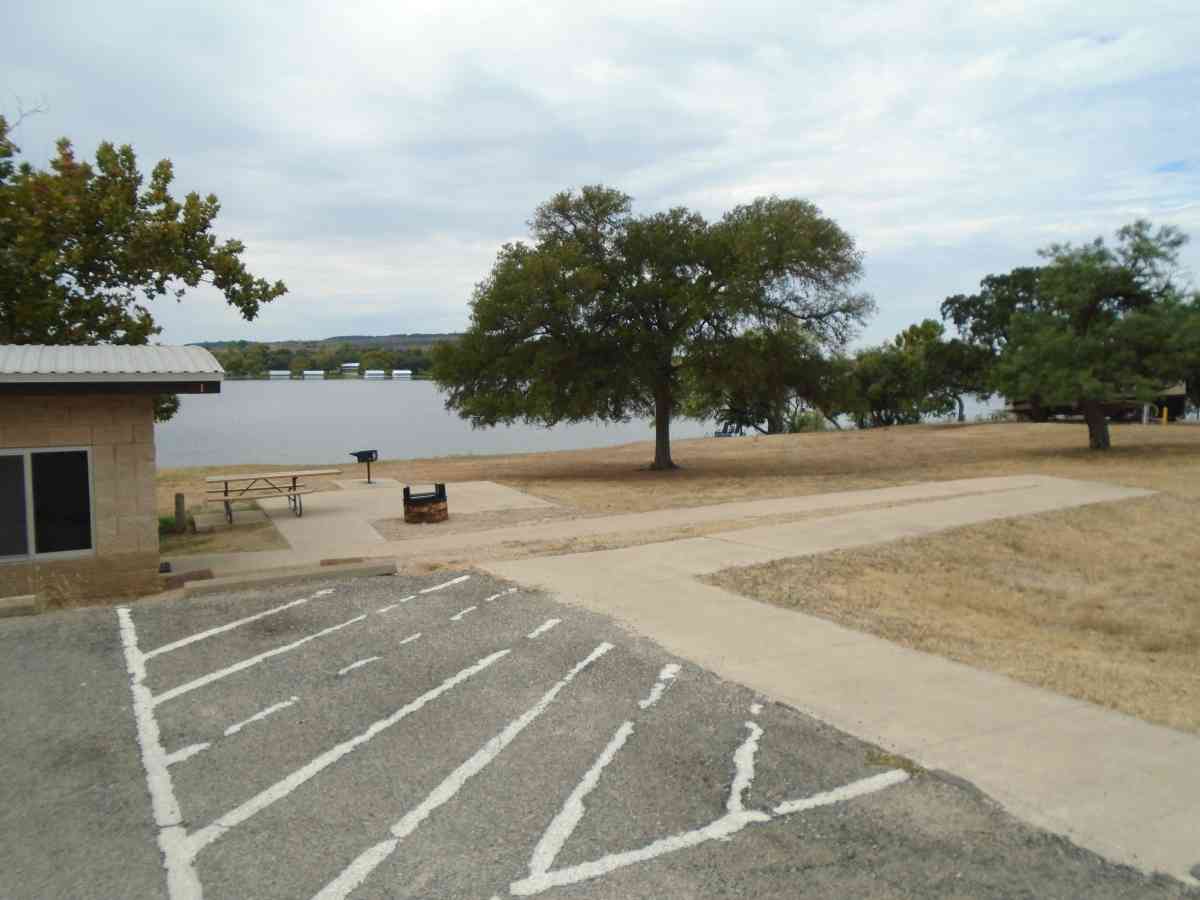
35,363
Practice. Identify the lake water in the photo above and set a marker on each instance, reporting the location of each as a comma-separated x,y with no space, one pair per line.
301,422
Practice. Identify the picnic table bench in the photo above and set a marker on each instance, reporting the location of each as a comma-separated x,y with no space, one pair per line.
263,486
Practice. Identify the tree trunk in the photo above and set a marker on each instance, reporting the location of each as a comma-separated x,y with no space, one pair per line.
962,415
662,430
1097,422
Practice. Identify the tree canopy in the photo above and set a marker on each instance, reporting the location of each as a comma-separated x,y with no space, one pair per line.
84,247
607,315
1107,324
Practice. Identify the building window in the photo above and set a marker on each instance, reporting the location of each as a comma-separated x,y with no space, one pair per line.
45,502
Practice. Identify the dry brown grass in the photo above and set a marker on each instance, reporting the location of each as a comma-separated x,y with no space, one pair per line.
616,479
1099,602
240,538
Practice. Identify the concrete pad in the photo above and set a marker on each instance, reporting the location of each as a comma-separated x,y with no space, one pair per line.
355,484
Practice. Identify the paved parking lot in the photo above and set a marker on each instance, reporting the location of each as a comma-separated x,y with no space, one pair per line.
454,736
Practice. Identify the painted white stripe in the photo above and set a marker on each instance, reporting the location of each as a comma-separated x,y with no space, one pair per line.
457,616
665,677
410,639
384,609
563,825
726,826
324,592
286,785
212,632
358,664
743,768
247,663
355,873
543,628
187,752
182,881
406,599
259,716
845,792
512,590
439,587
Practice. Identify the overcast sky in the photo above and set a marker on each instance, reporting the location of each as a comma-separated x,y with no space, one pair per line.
375,155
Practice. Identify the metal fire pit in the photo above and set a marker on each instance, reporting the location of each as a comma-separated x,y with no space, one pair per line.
420,509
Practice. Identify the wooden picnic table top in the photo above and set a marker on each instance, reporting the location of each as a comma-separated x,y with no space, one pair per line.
265,475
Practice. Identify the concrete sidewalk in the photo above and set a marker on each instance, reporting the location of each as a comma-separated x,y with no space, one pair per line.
1116,785
336,524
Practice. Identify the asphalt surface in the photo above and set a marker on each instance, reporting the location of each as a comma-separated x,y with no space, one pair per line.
500,753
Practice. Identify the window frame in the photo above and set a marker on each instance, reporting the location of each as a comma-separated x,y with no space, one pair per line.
32,554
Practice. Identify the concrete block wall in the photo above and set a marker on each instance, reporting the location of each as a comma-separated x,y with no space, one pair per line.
119,430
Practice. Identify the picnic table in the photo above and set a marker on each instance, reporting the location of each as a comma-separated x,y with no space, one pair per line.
263,486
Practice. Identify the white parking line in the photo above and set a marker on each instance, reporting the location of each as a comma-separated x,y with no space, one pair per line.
355,873
187,753
458,616
499,595
665,677
542,876
198,840
358,664
258,716
410,639
247,663
736,818
858,788
389,608
439,587
182,881
543,628
212,632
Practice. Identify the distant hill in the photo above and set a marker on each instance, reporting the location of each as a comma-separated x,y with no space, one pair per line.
391,341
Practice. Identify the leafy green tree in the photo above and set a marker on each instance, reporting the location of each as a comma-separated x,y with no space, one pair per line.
915,375
1110,323
606,315
84,247
983,321
763,378
944,370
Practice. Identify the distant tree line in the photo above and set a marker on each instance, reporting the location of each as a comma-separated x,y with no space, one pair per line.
249,359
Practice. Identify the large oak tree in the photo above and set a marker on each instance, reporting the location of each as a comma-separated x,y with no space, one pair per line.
603,314
84,247
1110,324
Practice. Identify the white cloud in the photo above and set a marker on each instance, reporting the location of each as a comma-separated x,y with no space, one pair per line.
375,155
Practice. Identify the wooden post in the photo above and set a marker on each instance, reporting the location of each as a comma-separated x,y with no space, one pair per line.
180,514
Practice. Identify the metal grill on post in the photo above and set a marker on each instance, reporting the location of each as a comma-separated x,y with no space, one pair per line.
368,457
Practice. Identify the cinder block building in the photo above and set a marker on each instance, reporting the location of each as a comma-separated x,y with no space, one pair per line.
78,517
